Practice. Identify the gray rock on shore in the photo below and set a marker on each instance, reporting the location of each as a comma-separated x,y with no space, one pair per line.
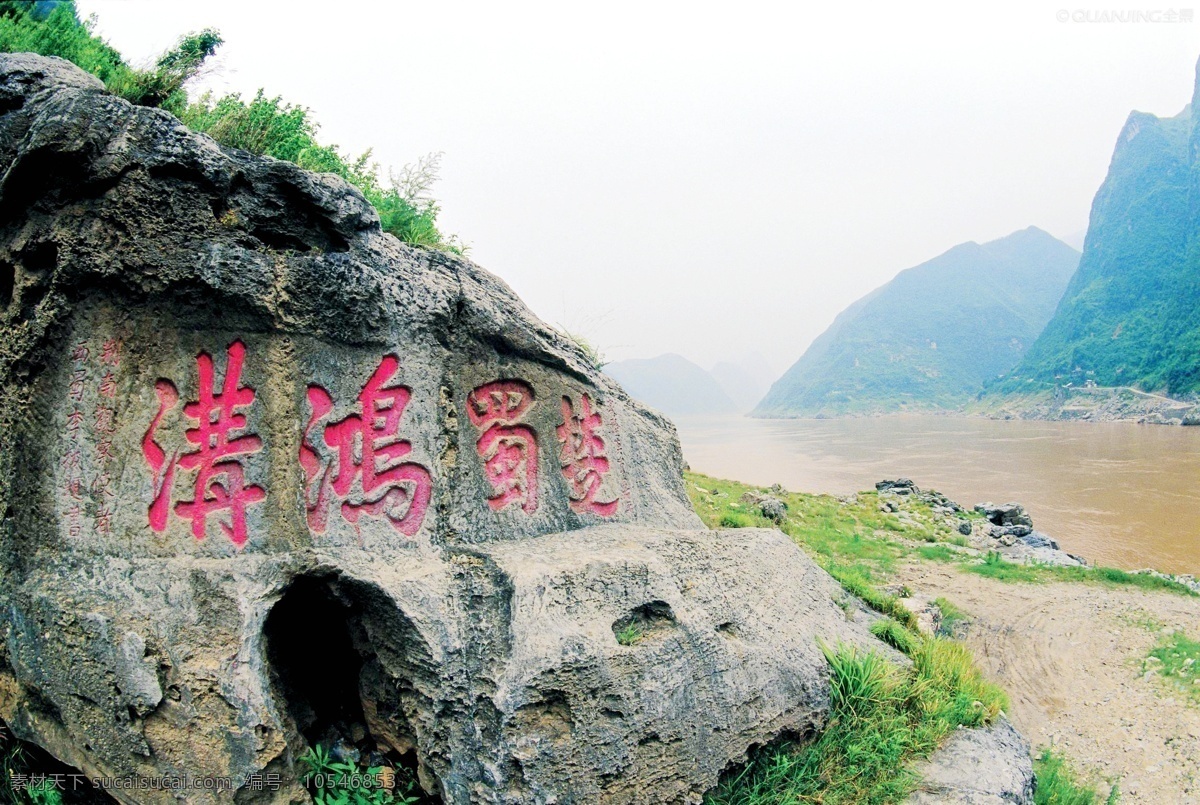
982,766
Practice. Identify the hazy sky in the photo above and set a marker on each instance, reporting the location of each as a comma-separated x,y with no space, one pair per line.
708,179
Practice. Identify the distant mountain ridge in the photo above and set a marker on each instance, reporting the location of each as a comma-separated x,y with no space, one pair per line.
672,384
1131,315
929,339
746,380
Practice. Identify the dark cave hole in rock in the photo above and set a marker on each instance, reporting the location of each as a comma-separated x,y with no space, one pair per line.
650,619
314,659
332,684
8,283
40,258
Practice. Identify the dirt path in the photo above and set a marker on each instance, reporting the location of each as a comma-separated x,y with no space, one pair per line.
1070,656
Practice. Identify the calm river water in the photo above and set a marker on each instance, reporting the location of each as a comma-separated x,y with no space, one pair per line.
1120,494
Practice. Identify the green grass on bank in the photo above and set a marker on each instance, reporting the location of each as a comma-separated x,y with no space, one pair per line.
1176,661
1058,784
859,545
263,125
882,718
885,717
952,617
996,567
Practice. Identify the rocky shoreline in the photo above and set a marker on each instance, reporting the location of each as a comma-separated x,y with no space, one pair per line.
1090,404
1069,404
1005,529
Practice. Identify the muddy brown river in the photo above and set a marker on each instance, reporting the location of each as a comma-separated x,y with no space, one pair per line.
1120,494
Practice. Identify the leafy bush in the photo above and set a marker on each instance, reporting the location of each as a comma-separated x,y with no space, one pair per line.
264,126
59,32
19,763
333,782
271,127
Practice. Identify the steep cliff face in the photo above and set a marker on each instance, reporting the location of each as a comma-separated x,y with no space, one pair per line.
271,477
930,338
1131,315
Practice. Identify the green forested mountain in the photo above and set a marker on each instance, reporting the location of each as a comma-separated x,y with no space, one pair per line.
1131,315
929,338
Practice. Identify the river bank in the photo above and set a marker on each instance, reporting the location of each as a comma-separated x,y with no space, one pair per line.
1072,644
1120,494
1088,404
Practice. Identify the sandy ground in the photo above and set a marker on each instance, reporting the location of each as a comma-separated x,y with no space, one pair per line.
1070,657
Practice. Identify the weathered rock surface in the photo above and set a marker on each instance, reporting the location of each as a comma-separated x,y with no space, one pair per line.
982,766
900,486
271,477
1008,514
1009,530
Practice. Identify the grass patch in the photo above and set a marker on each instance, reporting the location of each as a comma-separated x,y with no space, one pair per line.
736,520
630,635
938,553
994,566
895,634
952,617
882,718
1176,658
836,533
1059,785
853,540
857,583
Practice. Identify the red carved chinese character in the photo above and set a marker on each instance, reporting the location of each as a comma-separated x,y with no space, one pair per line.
104,520
74,420
80,353
110,352
220,477
72,460
162,467
104,450
367,449
220,483
102,487
582,457
74,520
508,448
105,421
75,390
108,385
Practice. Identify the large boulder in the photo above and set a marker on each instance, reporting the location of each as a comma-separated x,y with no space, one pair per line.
272,478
